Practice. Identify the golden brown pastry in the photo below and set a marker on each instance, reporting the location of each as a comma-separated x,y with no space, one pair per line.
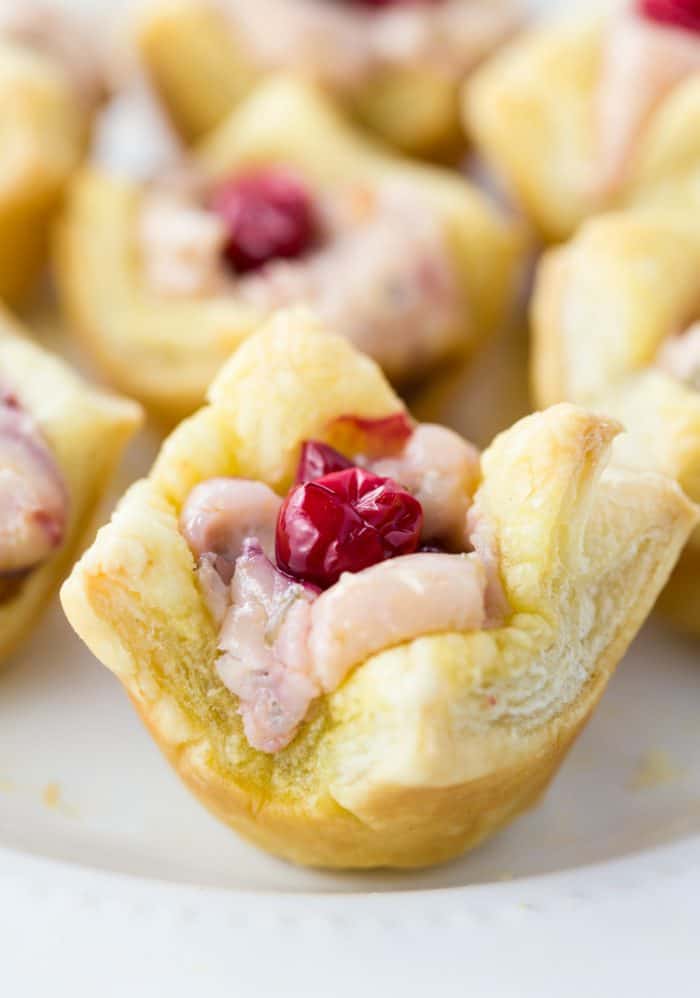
589,114
42,131
431,714
396,67
409,261
614,327
59,443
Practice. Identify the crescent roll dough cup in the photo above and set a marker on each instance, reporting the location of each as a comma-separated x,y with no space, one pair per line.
428,747
604,304
86,431
201,66
42,131
165,351
542,92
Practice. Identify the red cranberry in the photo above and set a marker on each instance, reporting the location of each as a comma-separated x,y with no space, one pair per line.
676,13
344,522
373,438
318,459
269,215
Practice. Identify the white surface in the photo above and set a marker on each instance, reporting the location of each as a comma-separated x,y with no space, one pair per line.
113,881
176,899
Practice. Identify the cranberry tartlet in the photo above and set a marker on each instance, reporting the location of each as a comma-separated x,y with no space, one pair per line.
358,641
284,204
59,443
46,92
615,322
396,65
614,102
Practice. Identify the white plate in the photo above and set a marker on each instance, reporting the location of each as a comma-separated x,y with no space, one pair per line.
184,903
114,881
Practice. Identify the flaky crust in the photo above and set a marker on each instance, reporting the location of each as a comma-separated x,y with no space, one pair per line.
42,131
539,94
603,305
87,431
427,747
202,69
164,351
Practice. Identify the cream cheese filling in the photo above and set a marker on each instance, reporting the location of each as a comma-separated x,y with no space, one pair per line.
382,275
342,44
283,643
642,63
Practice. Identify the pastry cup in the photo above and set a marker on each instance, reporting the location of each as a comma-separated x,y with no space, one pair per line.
428,747
540,93
165,351
42,131
201,68
603,305
86,430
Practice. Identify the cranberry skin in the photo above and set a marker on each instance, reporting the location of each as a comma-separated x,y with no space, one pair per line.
372,437
318,459
683,14
269,215
344,522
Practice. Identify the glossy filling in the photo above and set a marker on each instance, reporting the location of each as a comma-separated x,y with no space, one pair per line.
373,264
342,42
648,52
362,554
33,494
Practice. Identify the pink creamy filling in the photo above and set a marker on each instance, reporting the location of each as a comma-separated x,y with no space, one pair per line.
442,471
284,643
341,44
680,356
33,494
642,62
265,658
382,276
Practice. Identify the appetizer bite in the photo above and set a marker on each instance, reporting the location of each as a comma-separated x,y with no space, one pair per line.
284,204
615,321
47,89
359,642
580,116
59,443
395,64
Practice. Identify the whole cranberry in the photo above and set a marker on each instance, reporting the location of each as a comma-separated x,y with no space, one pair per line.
269,215
676,13
318,459
344,522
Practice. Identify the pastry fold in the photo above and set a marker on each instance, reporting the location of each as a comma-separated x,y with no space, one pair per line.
42,133
201,66
86,430
165,351
533,112
428,747
603,306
